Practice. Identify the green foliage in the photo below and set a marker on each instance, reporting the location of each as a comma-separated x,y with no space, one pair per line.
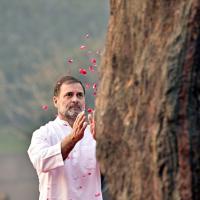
36,38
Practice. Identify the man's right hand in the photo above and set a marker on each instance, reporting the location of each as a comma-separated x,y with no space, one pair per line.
77,134
79,127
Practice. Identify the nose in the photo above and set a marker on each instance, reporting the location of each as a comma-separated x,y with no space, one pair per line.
74,98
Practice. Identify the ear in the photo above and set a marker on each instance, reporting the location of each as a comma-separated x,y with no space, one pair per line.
55,100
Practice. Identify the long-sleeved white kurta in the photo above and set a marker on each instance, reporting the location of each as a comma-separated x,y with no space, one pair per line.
76,178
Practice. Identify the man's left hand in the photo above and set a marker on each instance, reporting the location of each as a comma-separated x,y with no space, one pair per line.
92,124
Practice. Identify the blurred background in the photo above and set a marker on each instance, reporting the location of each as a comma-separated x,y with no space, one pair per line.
41,40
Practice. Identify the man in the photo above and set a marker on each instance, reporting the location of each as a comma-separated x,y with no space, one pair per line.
63,150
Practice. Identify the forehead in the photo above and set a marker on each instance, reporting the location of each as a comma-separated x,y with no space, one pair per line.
72,87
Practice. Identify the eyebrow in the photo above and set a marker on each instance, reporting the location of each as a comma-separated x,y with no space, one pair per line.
72,92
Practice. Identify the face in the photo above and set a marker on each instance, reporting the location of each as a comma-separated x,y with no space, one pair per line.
70,101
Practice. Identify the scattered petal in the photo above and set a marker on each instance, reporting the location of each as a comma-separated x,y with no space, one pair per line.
91,68
98,52
87,85
70,60
45,107
90,110
94,86
82,71
93,61
94,93
97,194
87,35
82,47
89,173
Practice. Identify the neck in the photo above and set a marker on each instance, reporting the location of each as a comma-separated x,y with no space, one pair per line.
70,121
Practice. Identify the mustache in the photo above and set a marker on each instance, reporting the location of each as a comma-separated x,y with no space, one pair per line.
76,105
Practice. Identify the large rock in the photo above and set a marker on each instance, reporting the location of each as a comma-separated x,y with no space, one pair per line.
148,104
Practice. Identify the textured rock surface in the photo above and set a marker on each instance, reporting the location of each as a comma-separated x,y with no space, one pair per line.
148,104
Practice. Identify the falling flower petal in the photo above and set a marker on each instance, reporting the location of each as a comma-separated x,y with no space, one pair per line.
94,93
90,110
98,52
97,194
82,47
82,71
93,61
91,68
70,61
45,107
94,86
87,85
87,35
89,173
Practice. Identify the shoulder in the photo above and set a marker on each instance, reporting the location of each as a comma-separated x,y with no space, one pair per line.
45,129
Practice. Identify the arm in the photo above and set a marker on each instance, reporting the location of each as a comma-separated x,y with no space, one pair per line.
45,156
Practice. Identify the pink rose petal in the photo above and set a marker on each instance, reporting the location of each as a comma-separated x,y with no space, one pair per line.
97,194
70,60
82,47
91,68
82,71
45,107
93,61
94,86
87,85
90,110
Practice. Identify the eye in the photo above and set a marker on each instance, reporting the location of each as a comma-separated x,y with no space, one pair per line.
80,95
69,94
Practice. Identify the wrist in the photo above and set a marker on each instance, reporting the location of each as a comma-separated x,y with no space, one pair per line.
73,139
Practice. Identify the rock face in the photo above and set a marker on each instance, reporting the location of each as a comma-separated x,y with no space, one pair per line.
148,103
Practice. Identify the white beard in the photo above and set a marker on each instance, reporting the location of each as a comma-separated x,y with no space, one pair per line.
72,113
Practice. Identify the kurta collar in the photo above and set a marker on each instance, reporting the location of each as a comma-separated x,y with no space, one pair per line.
62,122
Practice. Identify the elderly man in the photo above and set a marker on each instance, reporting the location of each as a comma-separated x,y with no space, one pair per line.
63,151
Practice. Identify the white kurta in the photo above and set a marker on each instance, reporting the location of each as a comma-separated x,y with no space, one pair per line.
76,178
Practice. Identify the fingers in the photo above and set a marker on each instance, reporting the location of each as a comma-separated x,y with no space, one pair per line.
80,119
90,118
79,126
84,127
92,124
